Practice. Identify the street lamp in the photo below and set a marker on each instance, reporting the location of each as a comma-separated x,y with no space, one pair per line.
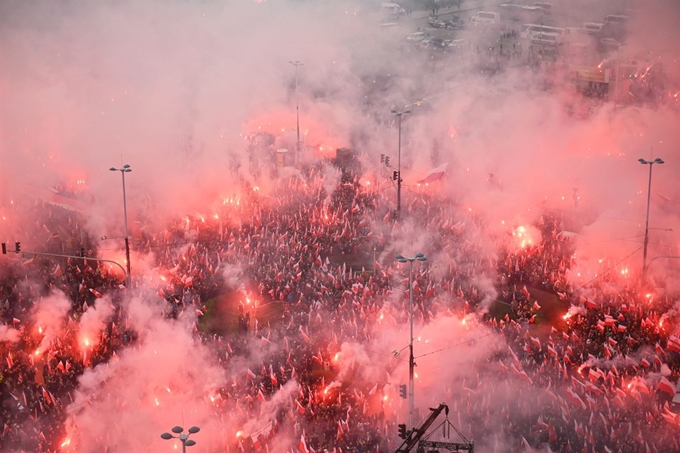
186,442
399,114
411,363
297,108
125,169
649,195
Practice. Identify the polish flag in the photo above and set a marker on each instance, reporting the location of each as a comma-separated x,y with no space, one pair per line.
666,386
590,304
304,335
434,175
303,444
673,344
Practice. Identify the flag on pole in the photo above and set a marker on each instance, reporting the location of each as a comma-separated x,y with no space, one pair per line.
434,175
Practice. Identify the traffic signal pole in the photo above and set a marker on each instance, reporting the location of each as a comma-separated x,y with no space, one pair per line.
17,249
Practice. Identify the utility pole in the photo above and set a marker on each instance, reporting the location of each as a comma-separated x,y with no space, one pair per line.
649,197
125,169
399,114
297,64
411,359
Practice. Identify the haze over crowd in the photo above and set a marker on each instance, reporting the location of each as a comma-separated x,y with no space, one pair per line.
175,88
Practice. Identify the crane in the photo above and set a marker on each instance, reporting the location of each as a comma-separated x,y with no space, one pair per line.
414,436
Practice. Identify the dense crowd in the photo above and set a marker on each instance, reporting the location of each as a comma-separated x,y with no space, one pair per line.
596,382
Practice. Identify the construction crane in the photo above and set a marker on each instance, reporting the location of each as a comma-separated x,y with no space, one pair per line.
415,436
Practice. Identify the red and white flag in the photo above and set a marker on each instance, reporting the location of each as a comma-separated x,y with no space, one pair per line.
666,386
434,175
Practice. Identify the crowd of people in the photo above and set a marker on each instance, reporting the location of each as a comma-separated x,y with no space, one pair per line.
596,380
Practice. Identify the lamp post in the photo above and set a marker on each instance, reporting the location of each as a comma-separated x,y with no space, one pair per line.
125,169
411,363
399,114
186,442
297,64
649,195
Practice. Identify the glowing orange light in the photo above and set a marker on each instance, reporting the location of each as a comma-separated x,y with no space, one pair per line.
385,398
239,434
37,352
66,442
157,402
40,329
336,357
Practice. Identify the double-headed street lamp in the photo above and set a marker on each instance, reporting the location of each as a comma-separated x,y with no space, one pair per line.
649,195
297,64
411,363
186,442
399,114
125,169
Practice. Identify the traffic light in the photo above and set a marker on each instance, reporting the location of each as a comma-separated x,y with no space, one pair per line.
395,175
382,158
402,430
17,247
402,391
4,248
82,252
387,161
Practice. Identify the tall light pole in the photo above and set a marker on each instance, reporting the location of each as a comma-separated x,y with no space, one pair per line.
297,64
411,362
125,169
399,114
649,196
186,442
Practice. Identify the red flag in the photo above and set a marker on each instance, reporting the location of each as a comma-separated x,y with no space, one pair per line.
272,376
304,335
303,444
673,344
434,175
666,386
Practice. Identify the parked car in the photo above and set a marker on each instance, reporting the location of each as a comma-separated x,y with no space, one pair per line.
485,18
436,22
455,23
416,36
458,44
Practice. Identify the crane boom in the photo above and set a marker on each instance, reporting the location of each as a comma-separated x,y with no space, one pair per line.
417,433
